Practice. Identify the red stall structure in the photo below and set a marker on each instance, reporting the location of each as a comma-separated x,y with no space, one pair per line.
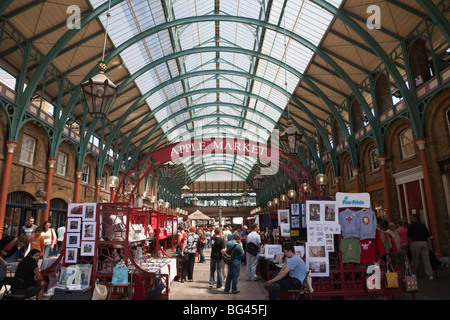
128,234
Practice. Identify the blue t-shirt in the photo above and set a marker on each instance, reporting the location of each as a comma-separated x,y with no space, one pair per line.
297,267
238,251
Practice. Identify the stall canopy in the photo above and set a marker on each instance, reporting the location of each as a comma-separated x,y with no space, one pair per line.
198,215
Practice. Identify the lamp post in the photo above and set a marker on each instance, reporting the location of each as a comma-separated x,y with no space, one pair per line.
258,181
321,180
113,182
167,170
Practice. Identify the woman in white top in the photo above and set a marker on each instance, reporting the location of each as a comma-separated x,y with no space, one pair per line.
50,238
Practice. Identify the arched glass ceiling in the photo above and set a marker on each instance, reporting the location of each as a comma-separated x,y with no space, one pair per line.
134,16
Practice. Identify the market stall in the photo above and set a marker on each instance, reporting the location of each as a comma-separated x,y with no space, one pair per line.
343,248
106,240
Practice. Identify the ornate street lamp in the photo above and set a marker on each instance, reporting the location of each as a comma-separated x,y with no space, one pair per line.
292,194
167,170
258,181
321,179
99,92
290,139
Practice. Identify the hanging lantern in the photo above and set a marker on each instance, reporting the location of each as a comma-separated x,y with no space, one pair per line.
321,179
276,202
185,191
292,194
99,93
270,204
167,170
245,196
283,198
161,202
290,139
258,182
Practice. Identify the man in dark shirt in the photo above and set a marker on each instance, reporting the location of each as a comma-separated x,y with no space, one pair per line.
420,245
217,247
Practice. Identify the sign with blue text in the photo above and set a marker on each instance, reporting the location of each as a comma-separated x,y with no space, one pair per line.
353,200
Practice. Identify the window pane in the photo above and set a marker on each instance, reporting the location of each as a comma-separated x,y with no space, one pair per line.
27,151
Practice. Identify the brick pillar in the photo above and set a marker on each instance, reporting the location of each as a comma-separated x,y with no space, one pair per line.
434,230
383,94
51,165
356,175
76,198
387,201
98,181
418,61
336,180
10,145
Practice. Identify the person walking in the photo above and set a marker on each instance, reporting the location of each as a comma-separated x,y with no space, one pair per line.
49,237
235,268
61,232
420,245
201,245
188,252
253,245
217,248
208,236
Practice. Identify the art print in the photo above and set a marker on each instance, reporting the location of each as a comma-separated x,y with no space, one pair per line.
75,210
89,211
319,267
73,224
73,240
71,255
295,209
330,211
88,231
87,248
271,249
314,213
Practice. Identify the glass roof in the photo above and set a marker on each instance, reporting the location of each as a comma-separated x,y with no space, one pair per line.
229,99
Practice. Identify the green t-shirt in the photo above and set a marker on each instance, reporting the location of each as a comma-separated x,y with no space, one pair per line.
351,250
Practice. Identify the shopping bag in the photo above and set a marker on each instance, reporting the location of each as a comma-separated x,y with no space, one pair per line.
409,280
100,291
391,277
120,274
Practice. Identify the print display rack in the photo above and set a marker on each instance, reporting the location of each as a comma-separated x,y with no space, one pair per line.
348,280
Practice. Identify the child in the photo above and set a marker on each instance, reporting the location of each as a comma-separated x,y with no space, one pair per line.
37,241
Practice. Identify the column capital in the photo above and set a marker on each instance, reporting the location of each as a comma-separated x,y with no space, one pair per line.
11,145
98,181
421,143
355,171
337,178
51,162
79,173
382,160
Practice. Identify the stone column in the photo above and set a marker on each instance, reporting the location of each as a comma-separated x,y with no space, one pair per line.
51,165
10,145
429,200
387,202
76,198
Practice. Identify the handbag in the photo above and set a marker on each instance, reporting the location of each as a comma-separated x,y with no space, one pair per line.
100,291
120,274
409,280
391,277
252,248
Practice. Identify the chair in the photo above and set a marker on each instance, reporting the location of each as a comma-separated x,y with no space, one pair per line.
304,288
17,283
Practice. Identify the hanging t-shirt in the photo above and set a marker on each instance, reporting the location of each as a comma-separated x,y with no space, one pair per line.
351,250
350,223
368,224
368,249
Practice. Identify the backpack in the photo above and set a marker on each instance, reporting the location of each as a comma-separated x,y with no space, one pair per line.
227,256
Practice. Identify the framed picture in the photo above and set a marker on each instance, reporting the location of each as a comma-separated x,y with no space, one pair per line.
330,211
73,240
87,248
316,251
319,267
71,255
271,249
85,270
88,231
73,224
75,210
300,251
89,211
295,209
313,212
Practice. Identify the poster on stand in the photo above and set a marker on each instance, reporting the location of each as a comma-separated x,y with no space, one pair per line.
319,267
283,222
